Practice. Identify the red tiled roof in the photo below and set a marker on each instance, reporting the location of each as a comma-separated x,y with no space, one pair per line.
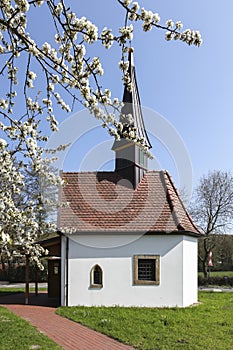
101,202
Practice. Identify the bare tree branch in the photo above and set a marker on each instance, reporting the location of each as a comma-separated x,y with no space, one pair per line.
212,209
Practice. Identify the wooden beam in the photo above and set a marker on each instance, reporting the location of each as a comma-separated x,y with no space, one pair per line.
27,280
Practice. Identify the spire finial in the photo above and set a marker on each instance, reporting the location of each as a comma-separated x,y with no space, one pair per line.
130,51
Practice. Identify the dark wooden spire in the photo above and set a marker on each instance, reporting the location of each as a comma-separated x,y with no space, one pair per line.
131,160
132,104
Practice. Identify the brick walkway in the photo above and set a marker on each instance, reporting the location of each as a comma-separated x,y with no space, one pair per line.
68,334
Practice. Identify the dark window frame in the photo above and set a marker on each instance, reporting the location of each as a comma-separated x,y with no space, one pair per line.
155,278
94,283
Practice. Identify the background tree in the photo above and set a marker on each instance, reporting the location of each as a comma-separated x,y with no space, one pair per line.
223,253
37,201
39,75
212,210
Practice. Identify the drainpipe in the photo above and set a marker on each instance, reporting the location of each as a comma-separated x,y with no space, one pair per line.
67,269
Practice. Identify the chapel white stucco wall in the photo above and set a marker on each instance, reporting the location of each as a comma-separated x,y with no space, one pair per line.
178,266
63,270
190,277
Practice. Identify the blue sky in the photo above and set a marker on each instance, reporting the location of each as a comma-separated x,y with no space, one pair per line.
190,87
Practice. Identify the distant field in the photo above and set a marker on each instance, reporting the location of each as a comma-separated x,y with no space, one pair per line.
218,273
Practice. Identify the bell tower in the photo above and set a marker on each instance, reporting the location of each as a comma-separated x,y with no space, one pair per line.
131,161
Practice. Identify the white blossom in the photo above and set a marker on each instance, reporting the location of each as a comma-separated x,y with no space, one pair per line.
62,72
127,2
2,49
135,6
46,48
39,2
3,103
3,143
124,65
169,36
58,9
170,24
32,75
23,5
127,33
156,17
179,25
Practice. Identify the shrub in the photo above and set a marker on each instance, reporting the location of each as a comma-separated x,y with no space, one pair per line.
16,273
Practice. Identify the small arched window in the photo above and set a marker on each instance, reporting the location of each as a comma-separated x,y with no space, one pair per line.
96,277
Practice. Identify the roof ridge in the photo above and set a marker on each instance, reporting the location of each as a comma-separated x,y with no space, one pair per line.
170,200
105,172
88,172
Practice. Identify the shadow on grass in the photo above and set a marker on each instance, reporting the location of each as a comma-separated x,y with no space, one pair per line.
18,297
6,292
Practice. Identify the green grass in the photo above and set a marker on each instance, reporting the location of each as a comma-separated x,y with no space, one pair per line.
218,273
206,326
16,333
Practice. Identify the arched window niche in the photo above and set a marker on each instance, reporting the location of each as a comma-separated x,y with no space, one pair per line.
96,277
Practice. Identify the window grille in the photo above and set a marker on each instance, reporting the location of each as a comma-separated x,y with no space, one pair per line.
146,269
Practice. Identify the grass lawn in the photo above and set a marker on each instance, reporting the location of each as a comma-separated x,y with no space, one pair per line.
218,273
16,333
206,326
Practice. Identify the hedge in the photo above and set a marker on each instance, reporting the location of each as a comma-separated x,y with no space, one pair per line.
215,281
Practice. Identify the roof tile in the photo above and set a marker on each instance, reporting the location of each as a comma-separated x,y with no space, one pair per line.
100,202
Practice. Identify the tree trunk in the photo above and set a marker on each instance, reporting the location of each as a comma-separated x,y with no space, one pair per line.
204,269
27,280
4,270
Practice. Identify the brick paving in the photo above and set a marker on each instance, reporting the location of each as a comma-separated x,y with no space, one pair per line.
70,335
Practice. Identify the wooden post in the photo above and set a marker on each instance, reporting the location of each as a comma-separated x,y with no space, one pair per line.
27,280
36,280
